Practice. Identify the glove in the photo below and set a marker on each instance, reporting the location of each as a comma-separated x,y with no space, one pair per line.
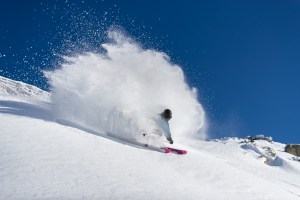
170,140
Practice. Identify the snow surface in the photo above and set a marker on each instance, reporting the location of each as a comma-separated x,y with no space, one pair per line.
44,159
16,90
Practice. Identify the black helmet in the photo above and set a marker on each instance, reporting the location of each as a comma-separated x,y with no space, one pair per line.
167,114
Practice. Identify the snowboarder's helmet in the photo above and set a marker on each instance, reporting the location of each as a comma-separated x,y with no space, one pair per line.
167,114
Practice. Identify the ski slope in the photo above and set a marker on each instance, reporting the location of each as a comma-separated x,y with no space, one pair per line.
43,159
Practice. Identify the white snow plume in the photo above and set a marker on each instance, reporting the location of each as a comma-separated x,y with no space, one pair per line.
121,90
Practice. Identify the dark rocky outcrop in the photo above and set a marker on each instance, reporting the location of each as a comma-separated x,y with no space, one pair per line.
293,149
259,137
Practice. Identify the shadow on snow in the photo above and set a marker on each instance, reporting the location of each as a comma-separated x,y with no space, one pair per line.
43,112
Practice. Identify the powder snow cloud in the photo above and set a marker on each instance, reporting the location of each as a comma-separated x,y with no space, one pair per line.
120,90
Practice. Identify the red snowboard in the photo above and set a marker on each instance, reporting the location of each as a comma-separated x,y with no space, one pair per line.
178,151
166,150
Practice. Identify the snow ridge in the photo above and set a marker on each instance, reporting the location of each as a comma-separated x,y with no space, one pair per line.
20,90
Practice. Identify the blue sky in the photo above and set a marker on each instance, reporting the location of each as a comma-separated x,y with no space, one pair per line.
243,56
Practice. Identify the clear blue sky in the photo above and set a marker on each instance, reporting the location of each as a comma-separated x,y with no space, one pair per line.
243,56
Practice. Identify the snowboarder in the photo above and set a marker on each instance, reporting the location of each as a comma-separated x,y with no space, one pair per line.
162,128
164,123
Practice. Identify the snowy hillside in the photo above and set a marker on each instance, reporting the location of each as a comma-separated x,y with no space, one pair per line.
19,90
42,159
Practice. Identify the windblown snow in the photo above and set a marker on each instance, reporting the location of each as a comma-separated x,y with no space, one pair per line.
120,90
43,159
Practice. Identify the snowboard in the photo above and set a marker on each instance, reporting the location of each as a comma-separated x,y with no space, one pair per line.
166,150
178,151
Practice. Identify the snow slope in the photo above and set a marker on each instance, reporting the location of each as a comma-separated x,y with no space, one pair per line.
42,159
16,90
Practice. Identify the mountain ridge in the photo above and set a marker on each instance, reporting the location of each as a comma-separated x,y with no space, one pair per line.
11,88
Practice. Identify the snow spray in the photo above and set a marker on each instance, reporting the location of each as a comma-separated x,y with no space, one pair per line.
120,90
